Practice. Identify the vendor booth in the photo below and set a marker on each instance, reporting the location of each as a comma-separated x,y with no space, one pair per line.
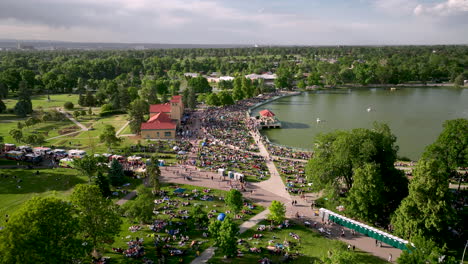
76,153
14,155
41,150
66,163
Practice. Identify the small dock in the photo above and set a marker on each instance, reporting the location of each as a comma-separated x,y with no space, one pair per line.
276,124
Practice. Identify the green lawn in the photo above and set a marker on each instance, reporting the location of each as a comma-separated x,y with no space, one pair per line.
125,235
126,131
59,182
56,100
89,140
311,246
48,129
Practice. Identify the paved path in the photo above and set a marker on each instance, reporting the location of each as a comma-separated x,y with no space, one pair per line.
83,127
67,115
126,198
209,252
64,135
122,128
274,183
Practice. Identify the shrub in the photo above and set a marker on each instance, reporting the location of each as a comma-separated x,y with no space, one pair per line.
112,112
106,108
68,105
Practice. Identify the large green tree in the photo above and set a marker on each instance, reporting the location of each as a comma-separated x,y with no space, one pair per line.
234,200
137,114
103,183
108,136
364,200
43,230
277,212
199,84
426,211
421,250
337,155
99,218
141,208
87,166
24,105
225,234
451,147
116,173
154,173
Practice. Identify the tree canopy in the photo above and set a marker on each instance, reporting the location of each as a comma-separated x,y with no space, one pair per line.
277,212
99,218
108,136
234,200
369,155
43,230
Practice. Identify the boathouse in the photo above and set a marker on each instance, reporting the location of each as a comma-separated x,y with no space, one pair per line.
268,120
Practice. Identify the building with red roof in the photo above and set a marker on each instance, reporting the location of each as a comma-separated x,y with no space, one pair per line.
266,113
164,119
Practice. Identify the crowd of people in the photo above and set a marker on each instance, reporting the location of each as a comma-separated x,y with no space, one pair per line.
294,173
286,152
214,157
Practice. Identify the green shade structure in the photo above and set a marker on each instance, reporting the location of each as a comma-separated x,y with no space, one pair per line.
364,229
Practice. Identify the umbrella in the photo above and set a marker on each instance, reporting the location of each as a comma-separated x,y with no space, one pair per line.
221,216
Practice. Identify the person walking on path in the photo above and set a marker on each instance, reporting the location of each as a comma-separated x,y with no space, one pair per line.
390,257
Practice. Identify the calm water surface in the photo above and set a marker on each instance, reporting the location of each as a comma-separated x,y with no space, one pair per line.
415,115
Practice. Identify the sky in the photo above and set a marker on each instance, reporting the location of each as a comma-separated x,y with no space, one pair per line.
262,22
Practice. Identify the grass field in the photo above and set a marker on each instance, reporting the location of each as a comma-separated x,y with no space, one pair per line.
58,182
48,129
89,140
311,246
56,100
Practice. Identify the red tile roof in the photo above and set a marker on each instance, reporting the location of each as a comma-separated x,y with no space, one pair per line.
159,121
267,113
160,108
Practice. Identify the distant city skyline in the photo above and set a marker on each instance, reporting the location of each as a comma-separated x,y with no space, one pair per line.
262,22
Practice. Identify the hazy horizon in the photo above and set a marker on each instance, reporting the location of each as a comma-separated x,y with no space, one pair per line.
223,22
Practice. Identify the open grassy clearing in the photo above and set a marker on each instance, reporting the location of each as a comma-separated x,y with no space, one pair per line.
311,246
48,129
58,182
56,100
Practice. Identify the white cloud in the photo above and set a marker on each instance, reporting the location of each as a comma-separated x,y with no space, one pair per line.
395,7
446,8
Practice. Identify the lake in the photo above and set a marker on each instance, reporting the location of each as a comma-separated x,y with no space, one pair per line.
415,115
